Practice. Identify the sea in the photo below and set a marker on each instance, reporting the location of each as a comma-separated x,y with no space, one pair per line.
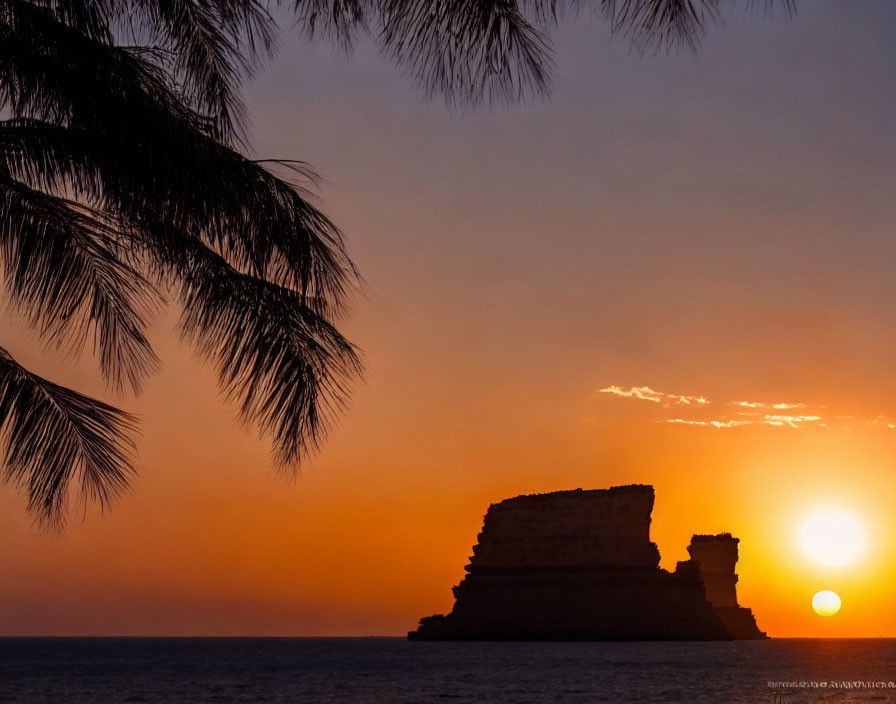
394,670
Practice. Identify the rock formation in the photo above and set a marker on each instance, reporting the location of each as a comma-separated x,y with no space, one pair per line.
716,556
579,564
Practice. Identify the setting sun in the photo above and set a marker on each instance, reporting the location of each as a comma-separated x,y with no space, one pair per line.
833,537
826,603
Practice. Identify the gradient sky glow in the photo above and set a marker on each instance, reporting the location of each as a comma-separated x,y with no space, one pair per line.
719,226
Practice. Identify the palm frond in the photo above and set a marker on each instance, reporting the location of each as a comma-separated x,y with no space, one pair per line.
664,24
667,25
251,24
128,116
768,8
282,361
338,20
214,45
53,436
470,51
546,12
262,224
50,72
211,44
51,158
63,270
473,51
287,367
92,17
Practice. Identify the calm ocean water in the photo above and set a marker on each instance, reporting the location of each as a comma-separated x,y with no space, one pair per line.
77,670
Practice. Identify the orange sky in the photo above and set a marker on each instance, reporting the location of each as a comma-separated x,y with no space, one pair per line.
718,226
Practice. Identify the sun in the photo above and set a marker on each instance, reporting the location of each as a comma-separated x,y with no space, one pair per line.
826,603
833,537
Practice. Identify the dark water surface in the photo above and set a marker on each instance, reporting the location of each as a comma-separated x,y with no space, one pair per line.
378,670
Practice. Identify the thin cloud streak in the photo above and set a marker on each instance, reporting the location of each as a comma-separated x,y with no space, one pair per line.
773,420
792,421
752,413
645,393
709,423
774,406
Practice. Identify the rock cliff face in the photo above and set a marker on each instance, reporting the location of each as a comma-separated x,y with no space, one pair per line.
568,529
580,565
716,557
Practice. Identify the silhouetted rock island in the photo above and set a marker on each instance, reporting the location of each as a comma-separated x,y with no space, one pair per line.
579,565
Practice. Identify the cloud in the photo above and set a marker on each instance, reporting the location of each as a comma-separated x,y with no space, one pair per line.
792,421
645,393
709,423
764,419
745,413
774,406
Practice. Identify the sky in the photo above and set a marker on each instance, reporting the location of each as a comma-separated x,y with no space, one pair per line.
715,227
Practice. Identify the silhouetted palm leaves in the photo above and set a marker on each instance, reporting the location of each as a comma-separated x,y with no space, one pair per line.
122,186
54,435
470,51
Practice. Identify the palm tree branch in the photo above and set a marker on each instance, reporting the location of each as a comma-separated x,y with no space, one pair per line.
287,367
52,159
92,17
473,51
335,19
210,55
53,436
262,223
64,271
470,51
50,72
